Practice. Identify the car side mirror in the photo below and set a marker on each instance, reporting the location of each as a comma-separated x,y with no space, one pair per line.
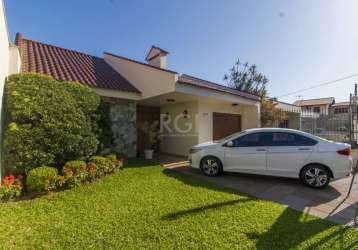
229,144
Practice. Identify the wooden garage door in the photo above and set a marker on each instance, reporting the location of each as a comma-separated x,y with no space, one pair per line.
225,124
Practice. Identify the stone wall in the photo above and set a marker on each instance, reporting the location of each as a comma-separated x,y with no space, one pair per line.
123,114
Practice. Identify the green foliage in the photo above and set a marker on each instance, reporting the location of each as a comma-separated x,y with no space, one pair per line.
118,163
111,157
75,172
270,115
244,77
41,179
10,187
103,165
50,122
151,132
148,207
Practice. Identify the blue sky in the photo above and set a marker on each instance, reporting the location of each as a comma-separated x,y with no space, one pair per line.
296,44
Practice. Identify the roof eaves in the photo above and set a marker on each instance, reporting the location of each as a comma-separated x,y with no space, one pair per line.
220,89
138,62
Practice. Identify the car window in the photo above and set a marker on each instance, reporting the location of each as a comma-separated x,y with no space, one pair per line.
290,139
251,140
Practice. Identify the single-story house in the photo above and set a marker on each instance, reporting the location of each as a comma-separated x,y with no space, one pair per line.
190,110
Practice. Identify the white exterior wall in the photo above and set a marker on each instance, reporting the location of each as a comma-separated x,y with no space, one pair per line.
249,117
178,143
200,118
4,50
4,65
150,81
15,60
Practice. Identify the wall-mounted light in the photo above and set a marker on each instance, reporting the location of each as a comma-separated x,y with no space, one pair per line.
185,113
170,100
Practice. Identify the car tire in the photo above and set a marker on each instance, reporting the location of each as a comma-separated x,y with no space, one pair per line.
211,166
315,176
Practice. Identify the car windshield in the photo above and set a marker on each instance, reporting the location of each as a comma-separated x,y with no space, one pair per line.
230,137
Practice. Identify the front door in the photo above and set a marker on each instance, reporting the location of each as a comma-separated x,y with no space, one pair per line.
225,124
145,114
247,154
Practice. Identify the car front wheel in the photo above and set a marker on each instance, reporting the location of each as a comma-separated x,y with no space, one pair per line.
315,176
211,166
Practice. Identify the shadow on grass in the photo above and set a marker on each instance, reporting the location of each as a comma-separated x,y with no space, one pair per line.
196,182
176,215
288,231
139,162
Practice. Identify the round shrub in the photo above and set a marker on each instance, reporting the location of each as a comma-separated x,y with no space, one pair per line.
104,166
117,163
41,179
112,157
75,172
50,122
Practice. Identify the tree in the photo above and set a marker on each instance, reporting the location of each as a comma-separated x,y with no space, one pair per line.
270,115
244,77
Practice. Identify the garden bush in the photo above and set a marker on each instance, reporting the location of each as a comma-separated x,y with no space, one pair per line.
102,165
75,172
118,163
10,187
42,179
49,122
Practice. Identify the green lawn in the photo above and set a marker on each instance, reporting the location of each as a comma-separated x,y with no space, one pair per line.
145,206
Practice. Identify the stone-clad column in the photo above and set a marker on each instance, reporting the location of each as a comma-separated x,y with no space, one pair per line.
123,116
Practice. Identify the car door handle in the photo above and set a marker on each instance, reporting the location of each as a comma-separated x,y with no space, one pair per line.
261,149
304,149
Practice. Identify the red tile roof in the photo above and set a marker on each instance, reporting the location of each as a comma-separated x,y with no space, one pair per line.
68,65
191,80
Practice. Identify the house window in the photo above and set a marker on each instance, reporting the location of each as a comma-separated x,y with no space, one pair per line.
316,109
341,110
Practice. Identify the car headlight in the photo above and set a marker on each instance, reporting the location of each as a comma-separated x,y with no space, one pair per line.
194,150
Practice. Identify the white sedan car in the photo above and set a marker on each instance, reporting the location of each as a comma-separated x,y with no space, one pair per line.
276,152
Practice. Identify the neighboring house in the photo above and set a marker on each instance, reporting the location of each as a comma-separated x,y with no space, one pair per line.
8,58
315,106
292,114
190,110
340,109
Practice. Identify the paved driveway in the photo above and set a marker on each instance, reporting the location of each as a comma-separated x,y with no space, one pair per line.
330,203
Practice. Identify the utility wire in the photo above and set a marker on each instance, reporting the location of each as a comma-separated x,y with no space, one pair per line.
319,85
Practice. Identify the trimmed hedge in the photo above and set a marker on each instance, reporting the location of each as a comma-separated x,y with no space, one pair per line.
42,179
75,172
102,163
50,122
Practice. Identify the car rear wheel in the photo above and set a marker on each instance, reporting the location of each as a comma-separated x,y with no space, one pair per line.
315,176
211,166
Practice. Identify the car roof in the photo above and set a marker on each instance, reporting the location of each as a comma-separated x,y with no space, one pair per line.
286,130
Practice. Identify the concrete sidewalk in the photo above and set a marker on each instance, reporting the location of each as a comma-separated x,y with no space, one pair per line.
330,203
